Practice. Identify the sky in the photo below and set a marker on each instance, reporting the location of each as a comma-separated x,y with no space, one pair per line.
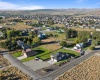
47,4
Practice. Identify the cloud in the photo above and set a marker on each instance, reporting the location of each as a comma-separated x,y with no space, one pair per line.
6,5
31,7
11,6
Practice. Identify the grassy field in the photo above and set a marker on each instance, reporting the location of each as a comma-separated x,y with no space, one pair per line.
59,36
67,51
44,54
82,29
17,54
27,59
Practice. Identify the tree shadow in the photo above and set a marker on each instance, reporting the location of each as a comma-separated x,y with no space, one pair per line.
39,51
52,42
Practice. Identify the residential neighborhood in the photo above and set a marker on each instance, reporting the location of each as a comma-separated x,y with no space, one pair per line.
49,44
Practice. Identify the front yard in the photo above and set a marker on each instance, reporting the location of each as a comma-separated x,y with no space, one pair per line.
17,54
44,54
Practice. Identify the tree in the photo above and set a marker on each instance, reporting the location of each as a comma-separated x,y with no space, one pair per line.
36,40
63,43
70,33
83,36
96,37
28,42
76,40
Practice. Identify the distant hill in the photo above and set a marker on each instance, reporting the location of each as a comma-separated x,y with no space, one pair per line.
51,11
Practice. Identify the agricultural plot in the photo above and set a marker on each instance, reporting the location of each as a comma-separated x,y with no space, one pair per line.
88,70
12,73
4,62
50,44
18,26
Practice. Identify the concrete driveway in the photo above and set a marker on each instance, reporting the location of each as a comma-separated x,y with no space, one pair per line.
35,65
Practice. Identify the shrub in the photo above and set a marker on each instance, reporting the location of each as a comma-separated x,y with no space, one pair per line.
63,44
92,47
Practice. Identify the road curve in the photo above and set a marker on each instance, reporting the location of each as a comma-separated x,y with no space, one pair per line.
15,62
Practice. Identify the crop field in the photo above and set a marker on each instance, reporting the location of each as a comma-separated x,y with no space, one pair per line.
18,26
88,70
12,73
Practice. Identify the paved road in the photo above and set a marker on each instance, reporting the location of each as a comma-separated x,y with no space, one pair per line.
69,65
51,75
22,67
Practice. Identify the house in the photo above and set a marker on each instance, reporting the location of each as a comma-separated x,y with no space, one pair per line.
59,56
79,46
24,47
42,35
20,43
28,52
1,34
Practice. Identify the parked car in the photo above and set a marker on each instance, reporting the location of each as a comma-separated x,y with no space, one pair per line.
1,66
36,58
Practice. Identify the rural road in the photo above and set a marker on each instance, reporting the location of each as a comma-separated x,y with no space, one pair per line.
51,75
21,66
69,65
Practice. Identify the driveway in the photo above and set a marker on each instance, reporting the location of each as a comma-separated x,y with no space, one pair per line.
35,65
21,57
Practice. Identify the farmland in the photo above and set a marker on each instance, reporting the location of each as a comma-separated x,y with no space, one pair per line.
18,26
88,70
3,62
9,72
12,73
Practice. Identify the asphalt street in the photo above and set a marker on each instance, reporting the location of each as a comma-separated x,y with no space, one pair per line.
69,65
15,62
53,74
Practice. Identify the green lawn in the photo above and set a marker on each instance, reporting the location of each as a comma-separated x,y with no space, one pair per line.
44,54
27,59
17,54
67,51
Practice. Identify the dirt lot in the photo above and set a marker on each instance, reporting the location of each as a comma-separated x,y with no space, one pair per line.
88,70
50,44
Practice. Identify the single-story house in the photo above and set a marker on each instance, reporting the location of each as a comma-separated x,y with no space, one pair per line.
20,43
59,56
28,52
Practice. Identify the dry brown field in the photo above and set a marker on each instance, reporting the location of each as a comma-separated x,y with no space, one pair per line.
87,70
12,73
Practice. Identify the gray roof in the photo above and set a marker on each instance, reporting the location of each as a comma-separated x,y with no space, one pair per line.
59,54
31,53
